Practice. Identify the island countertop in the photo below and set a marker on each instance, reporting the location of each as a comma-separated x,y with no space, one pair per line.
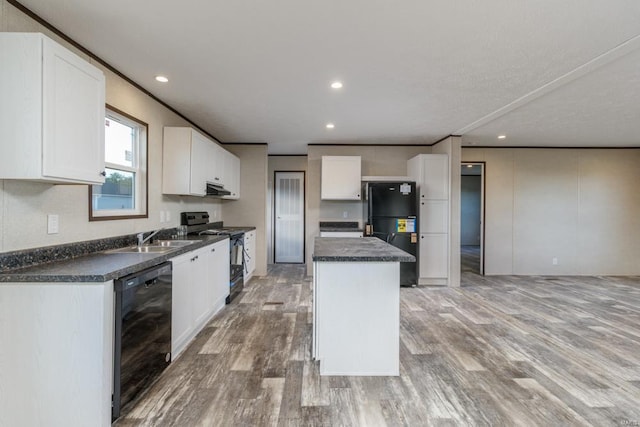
366,249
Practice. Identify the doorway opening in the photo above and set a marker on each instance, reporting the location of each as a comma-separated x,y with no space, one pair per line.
472,217
288,223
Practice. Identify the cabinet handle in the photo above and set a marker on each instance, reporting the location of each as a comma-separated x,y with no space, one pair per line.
103,173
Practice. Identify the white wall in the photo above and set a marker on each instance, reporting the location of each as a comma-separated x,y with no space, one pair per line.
25,205
580,206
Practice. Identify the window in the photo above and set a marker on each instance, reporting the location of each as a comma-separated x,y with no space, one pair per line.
124,192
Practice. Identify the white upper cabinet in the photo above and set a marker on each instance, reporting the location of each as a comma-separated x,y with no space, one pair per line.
217,166
190,160
52,112
232,175
341,178
184,161
431,172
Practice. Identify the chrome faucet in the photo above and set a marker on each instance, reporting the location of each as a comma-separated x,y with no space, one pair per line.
142,240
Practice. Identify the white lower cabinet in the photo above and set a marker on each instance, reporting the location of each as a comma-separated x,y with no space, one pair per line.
433,258
56,354
200,280
249,254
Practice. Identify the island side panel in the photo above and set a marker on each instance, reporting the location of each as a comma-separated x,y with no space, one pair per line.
56,354
358,318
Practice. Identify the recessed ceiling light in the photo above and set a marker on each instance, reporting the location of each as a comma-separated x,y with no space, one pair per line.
162,79
336,85
502,136
330,126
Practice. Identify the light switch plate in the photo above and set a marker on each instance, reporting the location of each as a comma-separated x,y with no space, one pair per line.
162,216
53,224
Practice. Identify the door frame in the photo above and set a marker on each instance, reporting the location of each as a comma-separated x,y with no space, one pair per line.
304,213
483,209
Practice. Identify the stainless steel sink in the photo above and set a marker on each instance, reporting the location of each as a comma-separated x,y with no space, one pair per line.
142,249
173,243
157,247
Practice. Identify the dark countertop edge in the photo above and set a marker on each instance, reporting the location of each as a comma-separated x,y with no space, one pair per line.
355,258
340,229
17,277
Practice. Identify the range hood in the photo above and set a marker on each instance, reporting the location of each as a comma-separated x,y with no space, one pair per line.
216,190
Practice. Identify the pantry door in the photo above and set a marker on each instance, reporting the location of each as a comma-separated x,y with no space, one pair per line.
289,217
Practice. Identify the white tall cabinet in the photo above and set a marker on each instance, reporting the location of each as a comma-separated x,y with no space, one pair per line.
341,178
52,112
431,173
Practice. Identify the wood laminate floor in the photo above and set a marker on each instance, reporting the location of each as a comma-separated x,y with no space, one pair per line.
500,351
470,259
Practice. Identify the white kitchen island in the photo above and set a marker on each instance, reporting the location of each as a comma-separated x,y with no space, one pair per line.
356,306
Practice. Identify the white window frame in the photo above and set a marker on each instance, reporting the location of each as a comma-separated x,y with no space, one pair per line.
139,168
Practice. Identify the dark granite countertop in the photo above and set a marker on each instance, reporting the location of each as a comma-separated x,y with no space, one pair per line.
101,266
366,249
340,226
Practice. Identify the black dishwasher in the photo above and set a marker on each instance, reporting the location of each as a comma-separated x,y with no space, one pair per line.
142,342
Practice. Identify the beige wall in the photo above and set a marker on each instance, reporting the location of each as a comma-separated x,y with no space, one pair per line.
376,161
250,210
282,164
24,205
581,206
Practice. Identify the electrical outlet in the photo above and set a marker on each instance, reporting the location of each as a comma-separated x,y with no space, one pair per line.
345,214
162,217
554,260
168,216
53,224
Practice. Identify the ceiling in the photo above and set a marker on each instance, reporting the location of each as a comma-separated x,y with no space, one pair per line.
543,73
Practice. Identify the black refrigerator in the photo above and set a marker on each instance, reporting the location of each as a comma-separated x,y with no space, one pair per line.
392,216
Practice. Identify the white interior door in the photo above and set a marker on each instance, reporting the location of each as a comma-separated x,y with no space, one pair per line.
289,217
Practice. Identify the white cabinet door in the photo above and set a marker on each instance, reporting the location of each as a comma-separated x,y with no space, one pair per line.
218,272
181,313
232,175
249,254
435,179
52,110
218,168
201,150
434,216
202,299
434,258
341,178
